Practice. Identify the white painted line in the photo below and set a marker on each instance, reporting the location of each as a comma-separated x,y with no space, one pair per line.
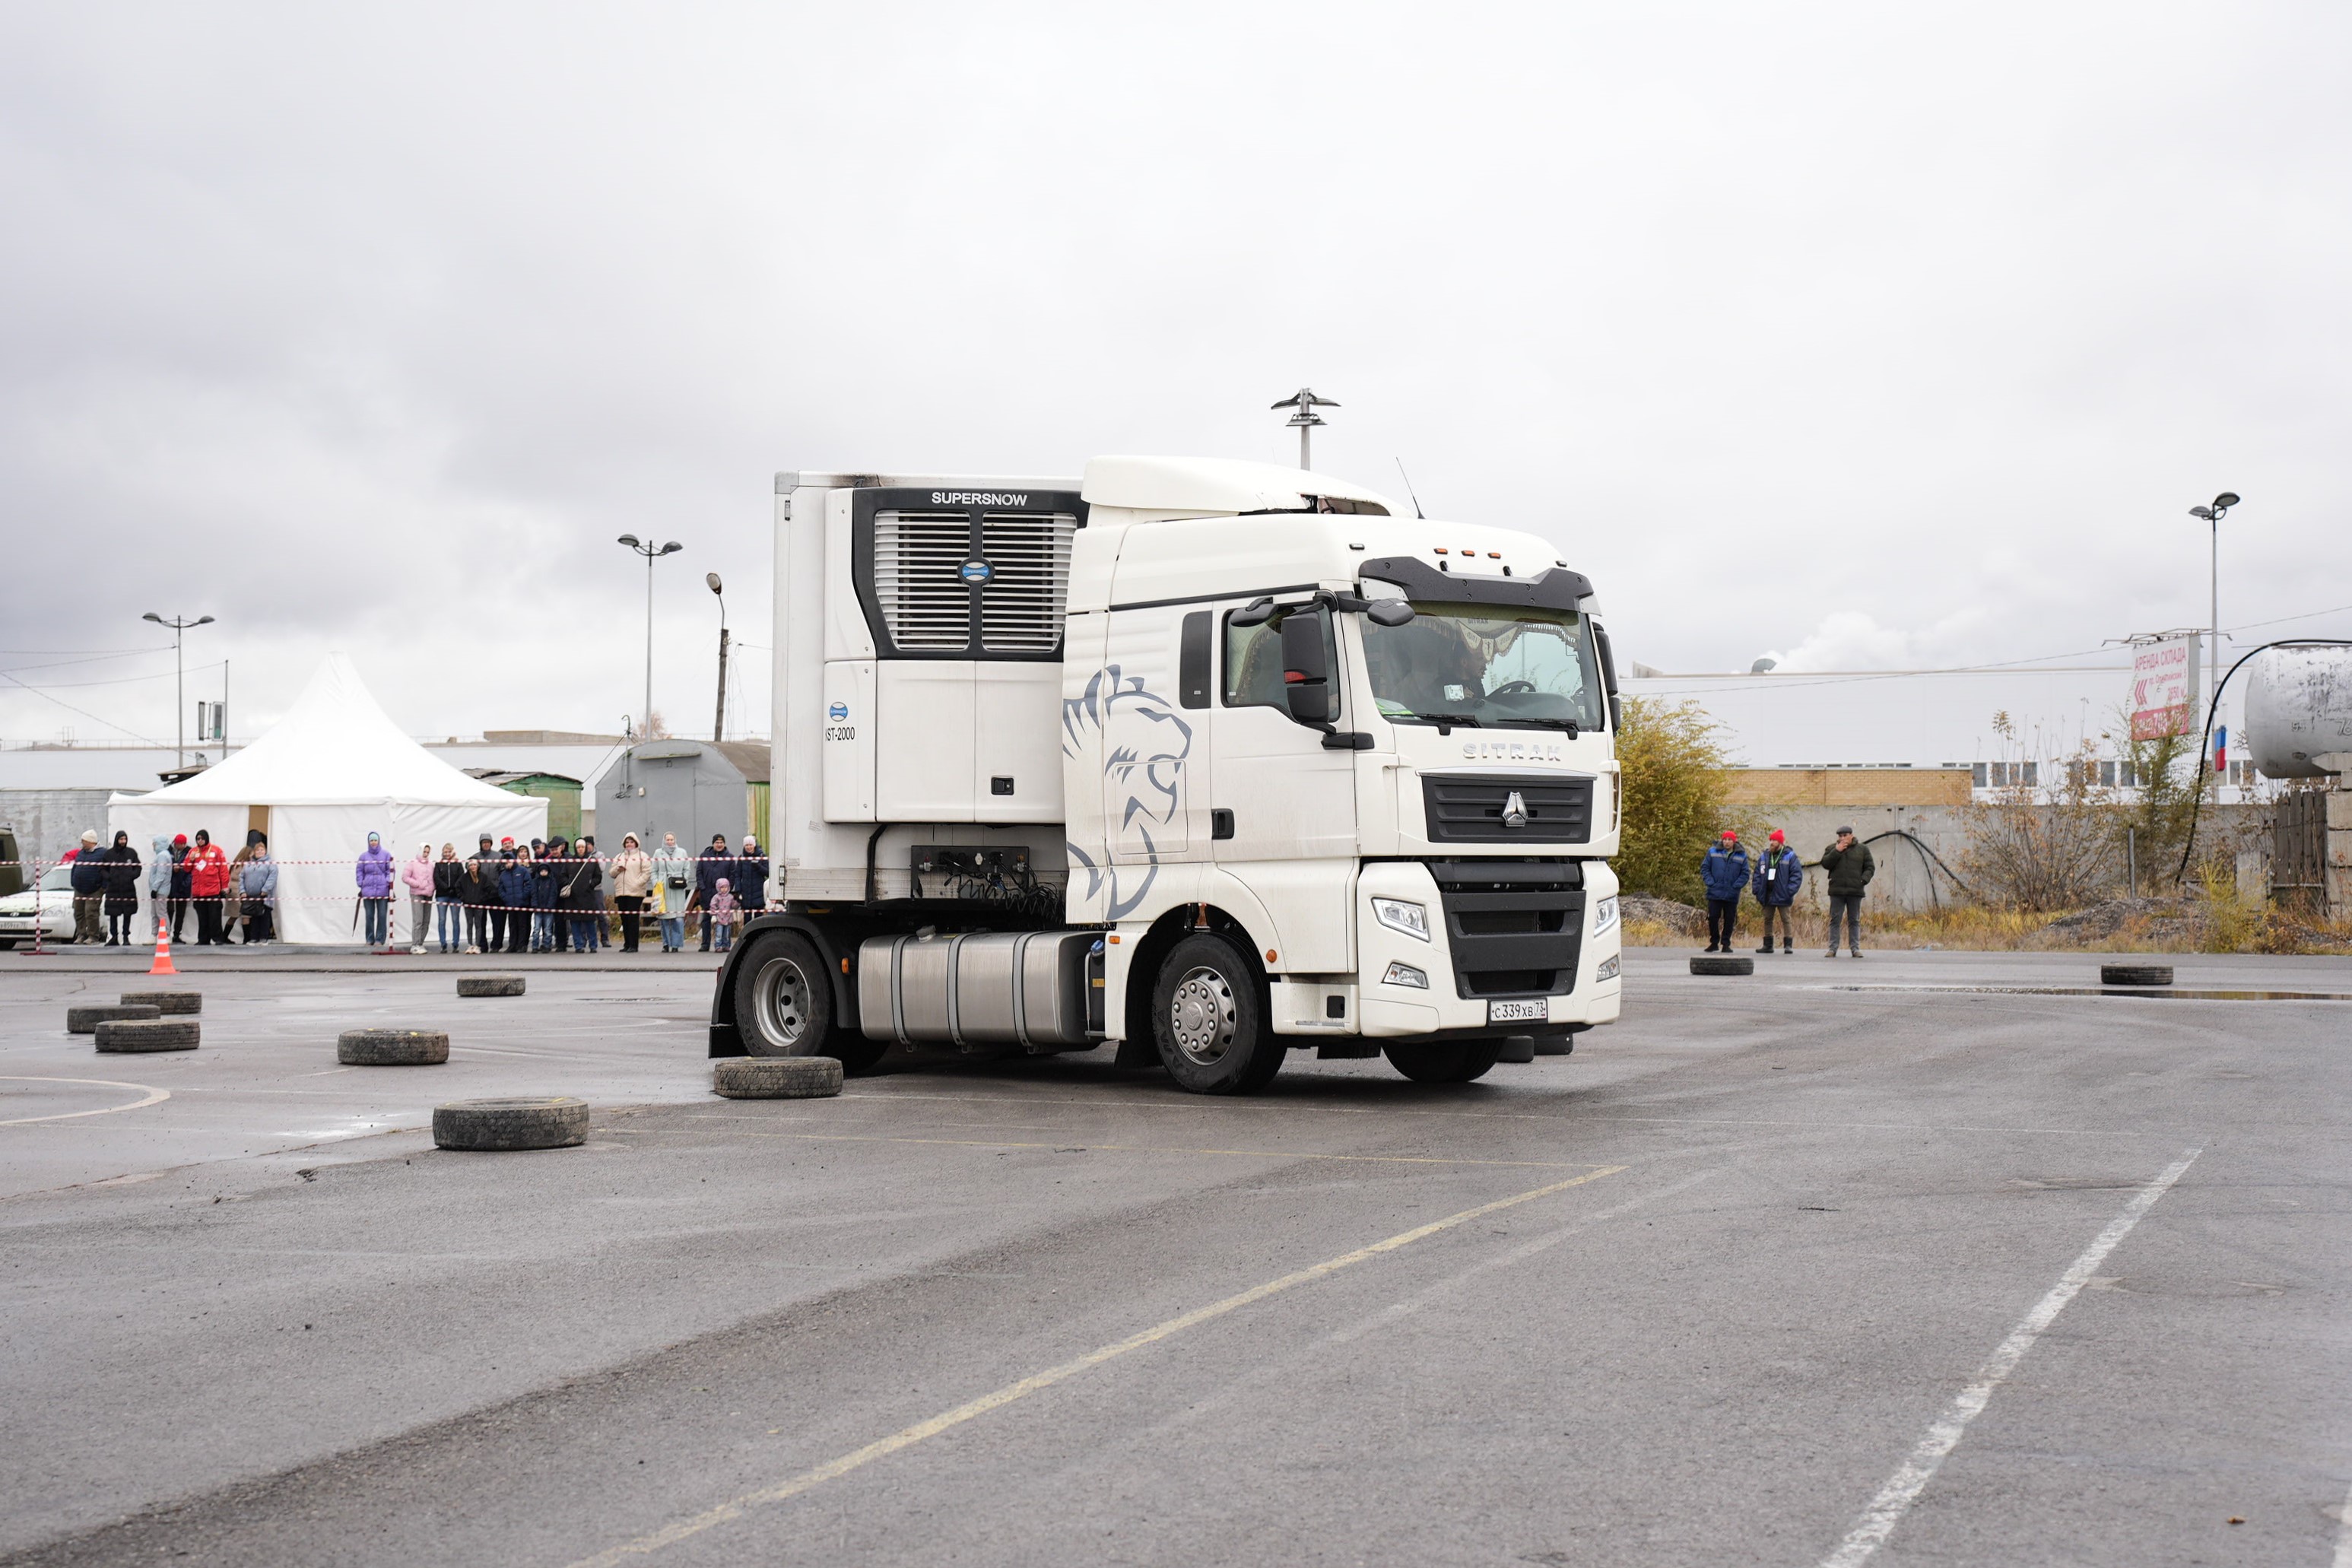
155,1097
2344,1534
1911,1478
907,1437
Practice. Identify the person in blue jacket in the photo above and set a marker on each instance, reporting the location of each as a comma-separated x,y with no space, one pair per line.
1780,872
514,887
1724,872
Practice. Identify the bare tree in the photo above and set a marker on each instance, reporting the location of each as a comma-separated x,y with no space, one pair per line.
2043,845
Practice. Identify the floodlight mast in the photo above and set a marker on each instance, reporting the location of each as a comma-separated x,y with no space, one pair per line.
1304,420
2212,515
179,681
651,551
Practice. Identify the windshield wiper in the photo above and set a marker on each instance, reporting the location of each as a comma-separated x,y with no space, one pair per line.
1469,719
1570,725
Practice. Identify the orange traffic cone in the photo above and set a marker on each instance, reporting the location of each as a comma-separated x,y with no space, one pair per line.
162,965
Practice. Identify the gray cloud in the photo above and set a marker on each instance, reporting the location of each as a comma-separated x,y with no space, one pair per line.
373,332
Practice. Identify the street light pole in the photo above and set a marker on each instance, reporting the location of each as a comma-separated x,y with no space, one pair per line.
1304,420
719,725
2212,516
179,681
651,551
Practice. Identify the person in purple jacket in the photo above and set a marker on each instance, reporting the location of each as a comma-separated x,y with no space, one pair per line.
374,873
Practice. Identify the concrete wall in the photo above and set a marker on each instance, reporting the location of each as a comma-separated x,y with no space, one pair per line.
49,822
1907,842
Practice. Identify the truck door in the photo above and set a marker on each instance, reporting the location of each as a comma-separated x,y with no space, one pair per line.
1281,796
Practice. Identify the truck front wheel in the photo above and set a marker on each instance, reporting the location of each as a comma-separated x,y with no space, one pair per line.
1208,1019
784,1004
1445,1061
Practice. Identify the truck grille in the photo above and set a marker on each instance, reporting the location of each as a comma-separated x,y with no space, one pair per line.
1469,809
1020,608
916,556
927,606
1515,927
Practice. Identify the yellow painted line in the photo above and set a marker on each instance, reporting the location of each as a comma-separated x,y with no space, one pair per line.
1160,1149
907,1437
155,1097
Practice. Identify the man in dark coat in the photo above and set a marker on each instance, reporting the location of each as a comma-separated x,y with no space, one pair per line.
1780,872
750,878
712,867
89,890
121,889
481,892
1849,867
1724,870
183,877
583,895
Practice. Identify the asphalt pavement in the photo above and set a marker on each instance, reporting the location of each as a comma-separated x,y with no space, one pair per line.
1774,1271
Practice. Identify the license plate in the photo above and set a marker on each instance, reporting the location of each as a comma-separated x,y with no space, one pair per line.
1531,1012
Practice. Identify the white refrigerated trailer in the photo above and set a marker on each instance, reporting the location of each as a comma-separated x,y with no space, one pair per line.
1203,761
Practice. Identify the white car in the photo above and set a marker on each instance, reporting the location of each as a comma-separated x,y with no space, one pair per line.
51,904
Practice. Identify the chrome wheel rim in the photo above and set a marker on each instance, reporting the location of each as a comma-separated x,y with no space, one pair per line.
1204,1017
782,1000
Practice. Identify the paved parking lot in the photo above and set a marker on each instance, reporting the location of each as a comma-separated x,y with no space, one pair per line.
1771,1272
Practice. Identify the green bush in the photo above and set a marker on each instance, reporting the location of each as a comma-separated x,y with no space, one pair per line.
1674,782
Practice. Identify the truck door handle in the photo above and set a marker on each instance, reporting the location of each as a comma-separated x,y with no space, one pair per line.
1221,823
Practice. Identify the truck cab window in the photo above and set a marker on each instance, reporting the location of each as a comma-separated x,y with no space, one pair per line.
1254,661
1531,668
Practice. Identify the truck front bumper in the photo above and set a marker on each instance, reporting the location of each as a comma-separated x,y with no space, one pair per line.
1391,1005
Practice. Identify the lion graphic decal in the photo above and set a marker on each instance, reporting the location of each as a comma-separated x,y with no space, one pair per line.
1145,743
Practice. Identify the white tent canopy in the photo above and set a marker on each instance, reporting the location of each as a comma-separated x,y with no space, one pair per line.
334,770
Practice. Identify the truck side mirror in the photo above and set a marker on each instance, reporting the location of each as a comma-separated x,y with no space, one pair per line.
1307,666
1388,612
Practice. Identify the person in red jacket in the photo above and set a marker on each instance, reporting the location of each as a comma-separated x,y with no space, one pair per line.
208,884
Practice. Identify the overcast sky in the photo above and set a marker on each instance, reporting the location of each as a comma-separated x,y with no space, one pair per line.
1865,336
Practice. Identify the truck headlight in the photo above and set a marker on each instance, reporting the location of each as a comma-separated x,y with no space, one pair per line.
1604,914
1398,915
1608,969
1405,973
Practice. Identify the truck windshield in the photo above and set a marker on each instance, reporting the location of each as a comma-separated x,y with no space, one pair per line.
1486,665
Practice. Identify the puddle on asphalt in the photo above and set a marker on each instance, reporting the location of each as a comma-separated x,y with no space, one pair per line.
2153,992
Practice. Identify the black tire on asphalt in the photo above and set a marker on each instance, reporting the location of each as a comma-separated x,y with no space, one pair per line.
545,1122
2135,974
776,1078
784,1004
1445,1061
126,1036
392,1047
85,1020
1210,1019
172,1003
1719,964
489,984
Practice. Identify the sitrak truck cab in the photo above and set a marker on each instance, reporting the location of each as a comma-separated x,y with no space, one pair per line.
1203,761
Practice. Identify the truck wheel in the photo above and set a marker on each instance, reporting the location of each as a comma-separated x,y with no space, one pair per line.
1208,1020
784,1004
1445,1061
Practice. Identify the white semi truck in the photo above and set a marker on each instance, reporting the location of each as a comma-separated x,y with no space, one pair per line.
1201,760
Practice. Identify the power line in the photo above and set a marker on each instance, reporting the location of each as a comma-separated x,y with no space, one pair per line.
83,712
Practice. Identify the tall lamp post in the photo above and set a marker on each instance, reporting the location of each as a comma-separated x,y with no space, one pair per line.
719,725
179,678
2212,516
1305,401
652,553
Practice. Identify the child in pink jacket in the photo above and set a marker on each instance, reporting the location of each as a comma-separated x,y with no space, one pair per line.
416,876
723,913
